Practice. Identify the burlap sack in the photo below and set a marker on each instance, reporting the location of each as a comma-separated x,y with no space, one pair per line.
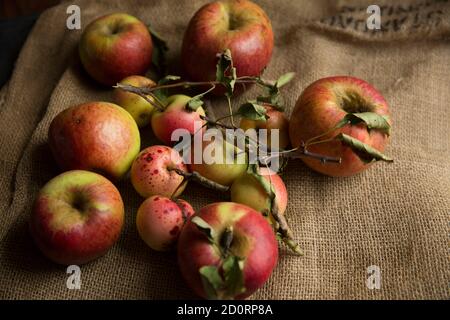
395,216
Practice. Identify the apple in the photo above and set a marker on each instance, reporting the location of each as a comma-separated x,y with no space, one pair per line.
151,174
321,106
175,116
223,170
159,221
138,107
115,46
252,240
238,25
77,217
247,190
276,120
95,136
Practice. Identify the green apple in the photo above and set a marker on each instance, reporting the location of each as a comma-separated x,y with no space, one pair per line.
140,109
220,162
247,190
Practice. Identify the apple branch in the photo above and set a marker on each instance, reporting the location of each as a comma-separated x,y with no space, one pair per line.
197,177
142,92
282,227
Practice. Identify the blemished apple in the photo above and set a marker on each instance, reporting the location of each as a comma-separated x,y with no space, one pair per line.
247,190
276,120
140,109
252,240
175,116
151,172
115,46
321,106
238,25
95,136
223,170
77,217
159,221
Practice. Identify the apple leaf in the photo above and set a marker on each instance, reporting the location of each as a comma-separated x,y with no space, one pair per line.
211,280
197,101
233,268
225,72
162,94
365,152
253,111
159,52
371,119
284,79
204,227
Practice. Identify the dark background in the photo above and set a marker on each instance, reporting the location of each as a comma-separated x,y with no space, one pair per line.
17,17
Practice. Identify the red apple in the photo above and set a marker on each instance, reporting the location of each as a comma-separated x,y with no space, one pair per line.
77,217
247,190
95,136
159,221
175,116
238,25
138,107
252,239
276,120
115,46
321,106
151,174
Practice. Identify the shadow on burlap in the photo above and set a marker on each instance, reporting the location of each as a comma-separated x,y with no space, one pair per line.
395,216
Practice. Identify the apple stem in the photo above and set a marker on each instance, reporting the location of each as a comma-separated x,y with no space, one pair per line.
197,177
143,93
226,240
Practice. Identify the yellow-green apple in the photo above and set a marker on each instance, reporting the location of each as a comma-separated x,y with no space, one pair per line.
95,136
248,190
115,46
238,25
318,110
152,172
159,221
275,120
77,217
140,109
221,161
232,230
175,116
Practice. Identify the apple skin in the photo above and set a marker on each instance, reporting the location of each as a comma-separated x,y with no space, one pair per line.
140,110
77,217
159,221
115,46
150,175
254,240
238,25
175,116
222,173
276,120
95,136
320,107
247,190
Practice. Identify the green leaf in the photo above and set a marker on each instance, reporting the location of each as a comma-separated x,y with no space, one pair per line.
234,276
159,52
162,94
253,111
365,152
225,72
168,78
253,170
284,79
371,119
197,101
211,280
204,227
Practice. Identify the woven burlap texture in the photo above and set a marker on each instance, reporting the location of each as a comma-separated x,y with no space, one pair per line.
395,216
